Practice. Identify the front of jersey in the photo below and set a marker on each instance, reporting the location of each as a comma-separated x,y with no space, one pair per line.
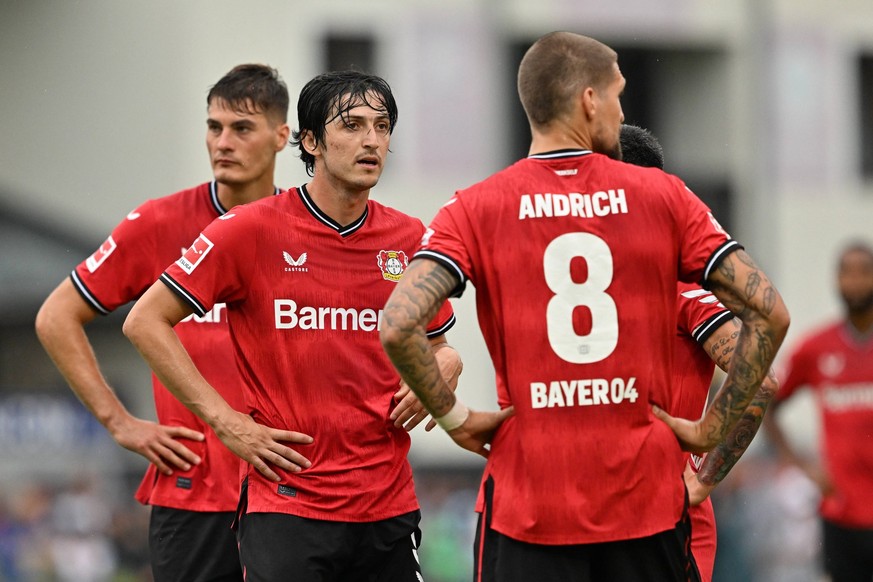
130,260
838,366
304,300
575,259
699,314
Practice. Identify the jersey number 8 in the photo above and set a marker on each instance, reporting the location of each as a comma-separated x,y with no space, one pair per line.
600,342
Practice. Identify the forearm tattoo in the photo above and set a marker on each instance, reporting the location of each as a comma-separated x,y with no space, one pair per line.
725,455
748,293
422,290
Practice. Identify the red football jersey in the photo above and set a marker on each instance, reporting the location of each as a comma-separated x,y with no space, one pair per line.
575,259
304,300
838,366
125,265
699,314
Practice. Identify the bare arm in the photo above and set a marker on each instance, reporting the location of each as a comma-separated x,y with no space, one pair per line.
744,289
718,463
415,301
60,326
150,327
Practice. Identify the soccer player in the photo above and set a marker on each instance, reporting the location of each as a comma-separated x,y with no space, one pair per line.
706,335
305,276
192,482
575,258
836,362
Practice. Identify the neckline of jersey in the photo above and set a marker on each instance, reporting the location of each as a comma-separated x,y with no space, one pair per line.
216,203
555,154
343,231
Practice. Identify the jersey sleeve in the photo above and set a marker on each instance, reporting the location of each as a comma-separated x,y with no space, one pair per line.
216,266
704,243
121,269
444,242
700,312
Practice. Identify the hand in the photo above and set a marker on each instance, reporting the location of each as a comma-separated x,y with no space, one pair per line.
409,411
158,443
478,430
262,446
697,491
694,436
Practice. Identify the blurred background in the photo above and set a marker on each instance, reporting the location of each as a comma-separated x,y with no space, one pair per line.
764,108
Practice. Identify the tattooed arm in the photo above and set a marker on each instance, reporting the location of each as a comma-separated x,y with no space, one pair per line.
718,463
744,289
415,301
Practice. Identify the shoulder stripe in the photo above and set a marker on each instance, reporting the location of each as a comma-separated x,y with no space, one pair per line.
443,328
728,247
449,264
87,295
198,307
702,332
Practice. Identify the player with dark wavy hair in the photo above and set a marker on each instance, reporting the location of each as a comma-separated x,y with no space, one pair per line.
305,276
192,482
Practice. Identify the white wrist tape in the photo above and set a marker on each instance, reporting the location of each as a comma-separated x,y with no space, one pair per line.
454,417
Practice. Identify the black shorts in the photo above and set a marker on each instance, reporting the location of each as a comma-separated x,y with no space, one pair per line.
848,552
663,557
193,546
279,546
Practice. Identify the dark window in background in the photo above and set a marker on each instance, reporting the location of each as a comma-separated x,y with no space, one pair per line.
352,51
865,82
639,67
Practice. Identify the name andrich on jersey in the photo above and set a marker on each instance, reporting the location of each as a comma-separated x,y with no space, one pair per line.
602,203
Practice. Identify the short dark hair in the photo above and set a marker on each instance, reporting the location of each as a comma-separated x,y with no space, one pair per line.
331,95
855,246
640,147
555,68
252,88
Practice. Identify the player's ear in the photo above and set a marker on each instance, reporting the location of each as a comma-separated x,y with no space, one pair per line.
282,133
588,100
309,142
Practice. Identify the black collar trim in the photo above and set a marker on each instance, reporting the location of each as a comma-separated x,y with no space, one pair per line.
343,231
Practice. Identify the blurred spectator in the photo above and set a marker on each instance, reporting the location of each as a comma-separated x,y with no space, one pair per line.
81,548
836,363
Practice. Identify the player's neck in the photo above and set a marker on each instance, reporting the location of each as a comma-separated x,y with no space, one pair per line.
558,136
342,203
861,322
231,195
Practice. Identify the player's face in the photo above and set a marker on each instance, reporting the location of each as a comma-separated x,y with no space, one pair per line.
242,145
855,280
607,123
355,147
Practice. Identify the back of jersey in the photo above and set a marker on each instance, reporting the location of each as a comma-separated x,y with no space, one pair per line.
575,259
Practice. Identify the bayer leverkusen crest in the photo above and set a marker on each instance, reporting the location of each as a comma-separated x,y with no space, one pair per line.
392,263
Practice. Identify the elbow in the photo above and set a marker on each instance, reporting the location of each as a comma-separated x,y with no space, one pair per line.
392,337
780,319
42,323
132,325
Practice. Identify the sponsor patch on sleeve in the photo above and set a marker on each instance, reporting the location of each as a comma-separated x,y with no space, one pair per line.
195,253
101,254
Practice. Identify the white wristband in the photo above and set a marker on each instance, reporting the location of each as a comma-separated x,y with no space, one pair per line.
454,417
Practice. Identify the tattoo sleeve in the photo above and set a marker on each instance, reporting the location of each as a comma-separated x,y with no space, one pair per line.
744,289
424,287
718,463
